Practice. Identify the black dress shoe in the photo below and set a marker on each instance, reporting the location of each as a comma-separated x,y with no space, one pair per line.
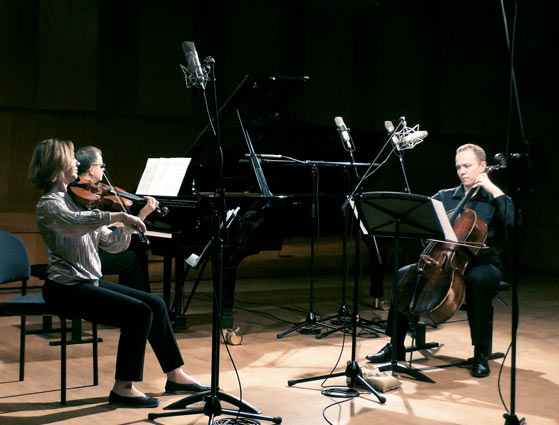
480,368
176,388
123,401
385,355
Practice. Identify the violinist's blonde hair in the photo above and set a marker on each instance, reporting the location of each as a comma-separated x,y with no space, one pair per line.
50,158
478,150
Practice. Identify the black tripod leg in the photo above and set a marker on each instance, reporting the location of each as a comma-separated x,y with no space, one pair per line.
314,378
223,396
274,419
381,398
152,416
311,321
293,329
330,332
396,368
187,401
235,401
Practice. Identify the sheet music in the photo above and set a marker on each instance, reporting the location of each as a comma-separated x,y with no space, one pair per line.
163,176
449,234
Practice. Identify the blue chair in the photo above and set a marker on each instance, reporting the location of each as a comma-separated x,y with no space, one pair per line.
15,267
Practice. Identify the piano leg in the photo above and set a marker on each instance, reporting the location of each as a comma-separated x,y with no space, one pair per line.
180,276
229,278
167,267
179,319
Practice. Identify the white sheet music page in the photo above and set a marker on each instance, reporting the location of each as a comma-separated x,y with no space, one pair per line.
163,176
449,234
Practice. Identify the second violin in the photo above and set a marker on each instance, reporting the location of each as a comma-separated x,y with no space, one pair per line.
99,195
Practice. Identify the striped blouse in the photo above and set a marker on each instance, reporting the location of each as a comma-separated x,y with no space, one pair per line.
72,237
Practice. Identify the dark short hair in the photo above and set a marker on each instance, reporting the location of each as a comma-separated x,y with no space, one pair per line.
86,156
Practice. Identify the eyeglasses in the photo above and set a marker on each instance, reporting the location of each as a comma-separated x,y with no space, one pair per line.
99,165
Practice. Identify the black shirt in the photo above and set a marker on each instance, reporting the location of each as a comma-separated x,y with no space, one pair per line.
497,213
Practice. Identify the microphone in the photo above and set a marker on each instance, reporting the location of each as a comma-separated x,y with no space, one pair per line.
194,74
414,138
408,137
390,130
344,134
389,127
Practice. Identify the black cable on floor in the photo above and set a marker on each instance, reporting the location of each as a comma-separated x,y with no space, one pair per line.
340,392
337,403
236,421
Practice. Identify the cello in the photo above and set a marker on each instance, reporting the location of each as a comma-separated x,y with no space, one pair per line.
433,290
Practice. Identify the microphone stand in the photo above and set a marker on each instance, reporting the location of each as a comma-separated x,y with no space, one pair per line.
311,324
418,342
311,319
510,416
212,398
343,319
352,371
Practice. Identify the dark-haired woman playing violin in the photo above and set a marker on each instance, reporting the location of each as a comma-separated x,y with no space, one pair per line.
74,282
484,271
131,265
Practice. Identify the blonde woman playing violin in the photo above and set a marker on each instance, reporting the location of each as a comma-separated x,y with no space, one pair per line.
75,283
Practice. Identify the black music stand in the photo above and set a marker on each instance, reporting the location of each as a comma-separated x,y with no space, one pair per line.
311,324
402,215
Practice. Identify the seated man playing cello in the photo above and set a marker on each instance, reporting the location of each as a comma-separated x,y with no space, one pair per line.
132,264
484,272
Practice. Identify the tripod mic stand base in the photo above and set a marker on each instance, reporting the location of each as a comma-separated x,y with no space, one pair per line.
398,369
352,371
311,326
230,412
212,407
195,398
513,420
348,327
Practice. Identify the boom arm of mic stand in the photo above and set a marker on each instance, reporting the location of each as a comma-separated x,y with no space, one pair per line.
345,208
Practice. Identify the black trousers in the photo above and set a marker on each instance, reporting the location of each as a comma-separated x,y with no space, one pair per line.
140,316
131,266
482,281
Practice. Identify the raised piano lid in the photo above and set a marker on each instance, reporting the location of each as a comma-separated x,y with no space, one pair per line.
268,106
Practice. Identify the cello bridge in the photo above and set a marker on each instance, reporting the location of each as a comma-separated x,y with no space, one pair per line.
428,260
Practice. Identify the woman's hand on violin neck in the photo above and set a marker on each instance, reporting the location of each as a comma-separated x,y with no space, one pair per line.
135,223
484,181
151,206
128,220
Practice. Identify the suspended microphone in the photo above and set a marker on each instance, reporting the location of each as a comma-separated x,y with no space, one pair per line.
344,134
415,138
409,137
194,74
390,130
389,127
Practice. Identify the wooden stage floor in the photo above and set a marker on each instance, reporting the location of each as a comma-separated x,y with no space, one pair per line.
268,306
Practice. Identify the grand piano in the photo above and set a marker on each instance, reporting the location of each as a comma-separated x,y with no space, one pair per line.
265,104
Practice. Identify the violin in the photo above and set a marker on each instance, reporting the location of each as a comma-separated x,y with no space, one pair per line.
434,289
105,197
